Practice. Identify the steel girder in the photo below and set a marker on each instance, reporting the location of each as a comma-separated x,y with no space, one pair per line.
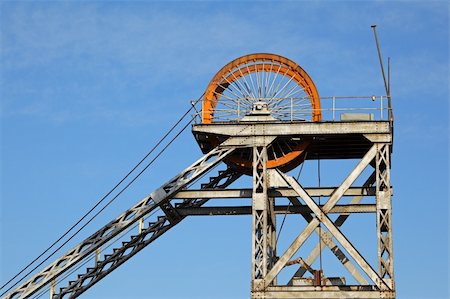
278,210
272,192
263,221
384,215
280,128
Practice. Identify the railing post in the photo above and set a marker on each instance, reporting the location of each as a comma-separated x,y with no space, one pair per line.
238,109
292,109
333,106
381,107
196,113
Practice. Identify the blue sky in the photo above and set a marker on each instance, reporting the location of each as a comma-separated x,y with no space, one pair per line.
87,87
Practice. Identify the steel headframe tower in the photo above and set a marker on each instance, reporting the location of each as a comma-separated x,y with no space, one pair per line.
262,115
268,108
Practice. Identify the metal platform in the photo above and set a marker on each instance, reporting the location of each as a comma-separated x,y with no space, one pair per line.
328,140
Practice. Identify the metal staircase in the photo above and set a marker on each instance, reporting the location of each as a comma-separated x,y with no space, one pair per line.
160,198
145,237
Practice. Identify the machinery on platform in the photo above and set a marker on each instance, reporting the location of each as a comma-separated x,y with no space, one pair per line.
262,116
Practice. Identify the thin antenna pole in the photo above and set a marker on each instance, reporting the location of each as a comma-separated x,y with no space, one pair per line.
389,76
381,59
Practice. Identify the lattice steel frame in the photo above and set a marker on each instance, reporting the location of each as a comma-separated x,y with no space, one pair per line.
263,218
384,215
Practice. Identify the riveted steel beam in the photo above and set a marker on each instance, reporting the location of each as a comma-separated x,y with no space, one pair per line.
325,292
272,192
278,210
294,128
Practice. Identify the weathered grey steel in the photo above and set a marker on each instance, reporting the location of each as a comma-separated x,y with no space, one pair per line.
326,239
329,140
278,209
332,292
330,243
375,133
263,222
129,248
384,215
272,192
382,281
321,214
118,225
280,128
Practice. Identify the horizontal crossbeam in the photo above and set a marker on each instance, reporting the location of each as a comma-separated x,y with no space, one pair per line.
272,192
247,210
293,128
331,292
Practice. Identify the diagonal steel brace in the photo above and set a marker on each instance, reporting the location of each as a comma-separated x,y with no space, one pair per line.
321,214
327,241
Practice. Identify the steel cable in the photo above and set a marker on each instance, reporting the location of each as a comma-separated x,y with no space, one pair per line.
289,203
92,256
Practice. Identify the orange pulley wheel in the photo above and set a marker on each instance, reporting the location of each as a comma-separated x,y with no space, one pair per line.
282,85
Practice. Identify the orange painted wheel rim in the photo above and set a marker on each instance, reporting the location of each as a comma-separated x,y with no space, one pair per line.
287,89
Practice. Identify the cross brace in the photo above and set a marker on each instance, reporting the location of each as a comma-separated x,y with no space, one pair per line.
382,280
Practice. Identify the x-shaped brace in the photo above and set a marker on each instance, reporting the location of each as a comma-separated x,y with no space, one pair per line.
320,215
326,239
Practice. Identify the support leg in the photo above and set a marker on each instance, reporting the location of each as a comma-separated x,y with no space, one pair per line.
263,220
384,215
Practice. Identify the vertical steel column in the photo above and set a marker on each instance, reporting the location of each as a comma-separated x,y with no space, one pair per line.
384,215
272,236
263,219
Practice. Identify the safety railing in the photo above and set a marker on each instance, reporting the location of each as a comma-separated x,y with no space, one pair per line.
333,108
348,108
